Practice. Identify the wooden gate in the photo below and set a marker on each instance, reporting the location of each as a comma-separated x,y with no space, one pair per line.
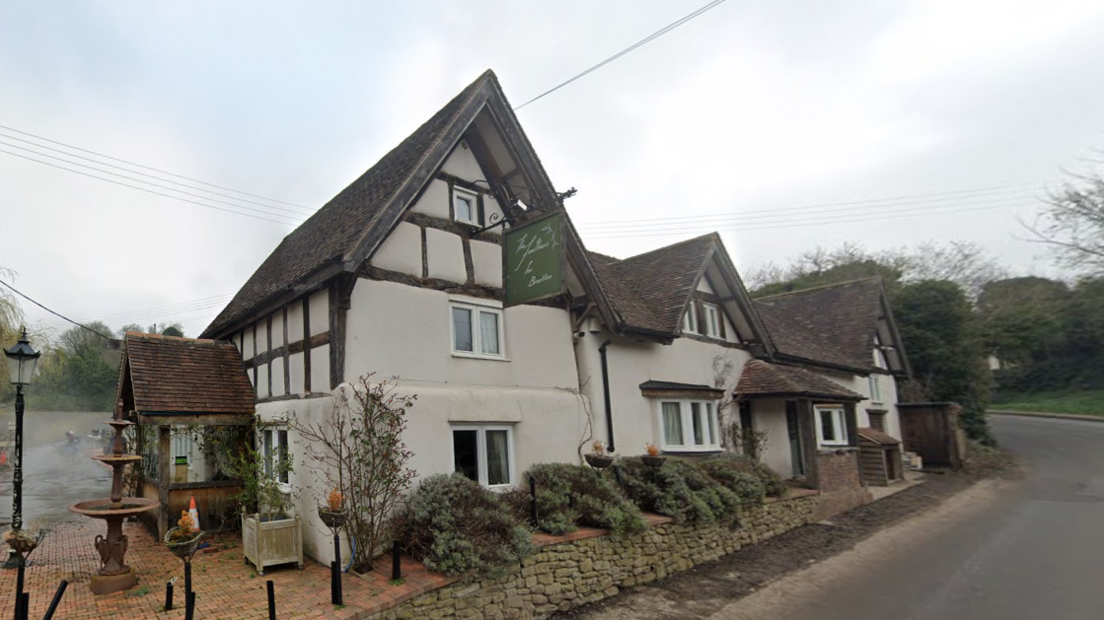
931,430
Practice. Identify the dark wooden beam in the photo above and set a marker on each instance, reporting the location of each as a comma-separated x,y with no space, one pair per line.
306,352
286,355
806,422
268,350
341,292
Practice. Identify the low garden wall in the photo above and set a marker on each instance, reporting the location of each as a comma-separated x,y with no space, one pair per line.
590,565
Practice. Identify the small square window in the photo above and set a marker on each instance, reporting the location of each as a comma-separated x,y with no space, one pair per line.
476,331
484,454
832,426
465,207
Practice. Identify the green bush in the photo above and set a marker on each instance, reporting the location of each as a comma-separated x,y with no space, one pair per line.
773,484
573,495
679,489
731,475
453,525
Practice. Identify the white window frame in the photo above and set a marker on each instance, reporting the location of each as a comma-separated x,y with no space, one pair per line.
275,429
690,319
839,425
875,389
481,451
476,327
473,198
712,315
711,427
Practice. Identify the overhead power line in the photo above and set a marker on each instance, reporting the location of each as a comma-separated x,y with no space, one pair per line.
163,312
648,39
298,212
173,174
57,314
143,189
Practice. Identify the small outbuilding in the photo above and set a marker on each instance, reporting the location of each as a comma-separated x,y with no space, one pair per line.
880,457
193,404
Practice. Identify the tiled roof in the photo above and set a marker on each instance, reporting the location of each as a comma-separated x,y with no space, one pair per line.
877,437
841,320
650,290
186,375
792,339
333,231
760,378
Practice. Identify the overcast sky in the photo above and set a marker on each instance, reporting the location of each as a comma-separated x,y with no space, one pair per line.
784,125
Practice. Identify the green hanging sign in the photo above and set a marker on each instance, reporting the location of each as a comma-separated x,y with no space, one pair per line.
533,261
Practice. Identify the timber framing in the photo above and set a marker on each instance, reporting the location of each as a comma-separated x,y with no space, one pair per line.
299,346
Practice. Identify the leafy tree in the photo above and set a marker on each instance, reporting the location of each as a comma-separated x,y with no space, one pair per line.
166,329
1023,320
938,327
78,372
131,327
1073,223
11,317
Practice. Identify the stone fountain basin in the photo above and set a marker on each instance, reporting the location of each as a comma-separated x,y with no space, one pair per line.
105,508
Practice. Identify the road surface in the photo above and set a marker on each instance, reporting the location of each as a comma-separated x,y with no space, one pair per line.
1029,550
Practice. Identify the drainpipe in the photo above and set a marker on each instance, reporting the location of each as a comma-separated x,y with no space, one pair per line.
606,392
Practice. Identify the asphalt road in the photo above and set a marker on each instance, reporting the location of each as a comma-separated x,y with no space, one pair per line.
1031,550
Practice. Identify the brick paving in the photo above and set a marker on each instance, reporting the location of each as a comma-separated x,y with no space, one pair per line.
226,587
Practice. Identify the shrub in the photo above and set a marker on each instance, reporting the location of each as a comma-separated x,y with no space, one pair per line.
679,489
731,475
453,525
571,495
773,484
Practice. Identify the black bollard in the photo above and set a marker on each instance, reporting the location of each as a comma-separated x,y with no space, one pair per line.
189,606
396,566
19,587
335,583
168,595
57,600
187,581
532,501
271,600
25,606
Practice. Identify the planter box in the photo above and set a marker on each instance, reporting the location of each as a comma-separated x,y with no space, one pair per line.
268,543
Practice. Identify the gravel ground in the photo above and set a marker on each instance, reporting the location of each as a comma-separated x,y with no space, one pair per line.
703,590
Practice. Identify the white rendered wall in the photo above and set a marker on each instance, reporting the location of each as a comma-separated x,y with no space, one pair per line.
434,201
295,321
320,368
278,377
630,363
445,256
319,312
262,381
295,370
401,250
769,416
487,263
860,384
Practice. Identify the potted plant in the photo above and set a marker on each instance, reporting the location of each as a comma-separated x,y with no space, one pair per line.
333,513
653,458
184,538
598,459
20,541
271,534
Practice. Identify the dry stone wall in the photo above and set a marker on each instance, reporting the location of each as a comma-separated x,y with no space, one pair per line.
562,576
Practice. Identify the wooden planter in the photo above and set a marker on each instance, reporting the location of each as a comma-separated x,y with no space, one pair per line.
268,543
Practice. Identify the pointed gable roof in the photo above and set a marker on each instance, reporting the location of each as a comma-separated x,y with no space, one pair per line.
346,230
650,291
836,322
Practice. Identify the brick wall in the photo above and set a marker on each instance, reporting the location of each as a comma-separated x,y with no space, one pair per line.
565,575
838,471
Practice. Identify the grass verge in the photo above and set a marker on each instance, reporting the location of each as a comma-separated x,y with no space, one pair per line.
1089,402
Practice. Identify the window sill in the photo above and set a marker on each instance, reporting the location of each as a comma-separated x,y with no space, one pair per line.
841,449
476,356
690,449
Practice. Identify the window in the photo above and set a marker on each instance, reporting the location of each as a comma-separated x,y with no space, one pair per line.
688,425
832,425
476,331
277,456
465,206
875,389
690,321
484,453
877,419
712,315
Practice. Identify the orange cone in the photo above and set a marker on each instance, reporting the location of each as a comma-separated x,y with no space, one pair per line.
3,457
193,513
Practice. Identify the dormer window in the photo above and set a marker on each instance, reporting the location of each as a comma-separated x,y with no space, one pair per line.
465,207
690,321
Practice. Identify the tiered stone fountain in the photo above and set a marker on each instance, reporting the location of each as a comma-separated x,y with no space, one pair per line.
114,575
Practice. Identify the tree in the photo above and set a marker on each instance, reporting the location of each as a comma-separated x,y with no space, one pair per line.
78,372
131,327
357,449
11,317
166,329
938,328
1073,224
1024,320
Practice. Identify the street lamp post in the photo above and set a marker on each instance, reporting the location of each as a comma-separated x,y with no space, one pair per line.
22,359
